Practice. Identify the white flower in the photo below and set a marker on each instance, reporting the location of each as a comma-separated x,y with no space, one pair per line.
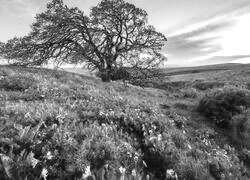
170,172
136,158
133,172
101,113
44,173
33,161
189,147
122,170
152,138
49,155
159,137
87,172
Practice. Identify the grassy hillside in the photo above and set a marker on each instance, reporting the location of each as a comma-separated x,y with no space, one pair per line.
61,125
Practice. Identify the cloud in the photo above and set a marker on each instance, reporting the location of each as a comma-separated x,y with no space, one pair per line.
222,35
24,9
195,43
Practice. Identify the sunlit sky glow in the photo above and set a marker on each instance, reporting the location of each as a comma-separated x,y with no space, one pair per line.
198,31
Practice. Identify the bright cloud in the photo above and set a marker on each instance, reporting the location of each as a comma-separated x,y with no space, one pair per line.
243,61
236,40
225,35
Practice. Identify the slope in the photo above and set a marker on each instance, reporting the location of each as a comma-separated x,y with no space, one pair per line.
62,125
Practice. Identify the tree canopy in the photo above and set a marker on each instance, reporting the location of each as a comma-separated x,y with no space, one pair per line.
115,34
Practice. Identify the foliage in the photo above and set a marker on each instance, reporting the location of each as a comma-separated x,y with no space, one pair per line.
241,129
114,35
190,93
17,82
248,86
207,85
221,105
83,127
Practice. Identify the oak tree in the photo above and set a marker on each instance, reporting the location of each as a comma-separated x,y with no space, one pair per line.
114,35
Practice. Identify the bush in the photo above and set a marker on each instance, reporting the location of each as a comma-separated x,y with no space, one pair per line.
222,104
248,86
241,129
116,74
181,105
190,93
82,127
160,83
17,83
207,85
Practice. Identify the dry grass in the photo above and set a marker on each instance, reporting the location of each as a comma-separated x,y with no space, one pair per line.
82,122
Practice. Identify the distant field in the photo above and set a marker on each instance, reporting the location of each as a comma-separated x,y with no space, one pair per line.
226,72
191,73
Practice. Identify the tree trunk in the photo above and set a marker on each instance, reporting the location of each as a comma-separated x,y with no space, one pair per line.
105,75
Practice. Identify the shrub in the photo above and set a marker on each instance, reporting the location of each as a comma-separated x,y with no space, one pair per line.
84,127
181,105
116,74
221,105
248,85
241,129
17,83
245,156
189,93
28,95
207,85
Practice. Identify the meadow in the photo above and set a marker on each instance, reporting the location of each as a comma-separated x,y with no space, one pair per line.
192,124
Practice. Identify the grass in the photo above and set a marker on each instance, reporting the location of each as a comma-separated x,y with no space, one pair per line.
71,126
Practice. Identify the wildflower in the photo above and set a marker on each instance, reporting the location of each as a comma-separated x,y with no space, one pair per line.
136,158
44,173
159,137
152,138
133,172
112,113
27,115
49,155
143,127
122,170
171,174
87,172
33,161
129,154
54,126
189,147
101,113
222,176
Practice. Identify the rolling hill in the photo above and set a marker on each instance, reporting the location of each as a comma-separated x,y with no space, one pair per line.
64,125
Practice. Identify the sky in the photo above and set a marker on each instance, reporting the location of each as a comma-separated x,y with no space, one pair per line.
199,32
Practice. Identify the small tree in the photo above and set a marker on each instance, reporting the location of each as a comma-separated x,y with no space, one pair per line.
114,35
